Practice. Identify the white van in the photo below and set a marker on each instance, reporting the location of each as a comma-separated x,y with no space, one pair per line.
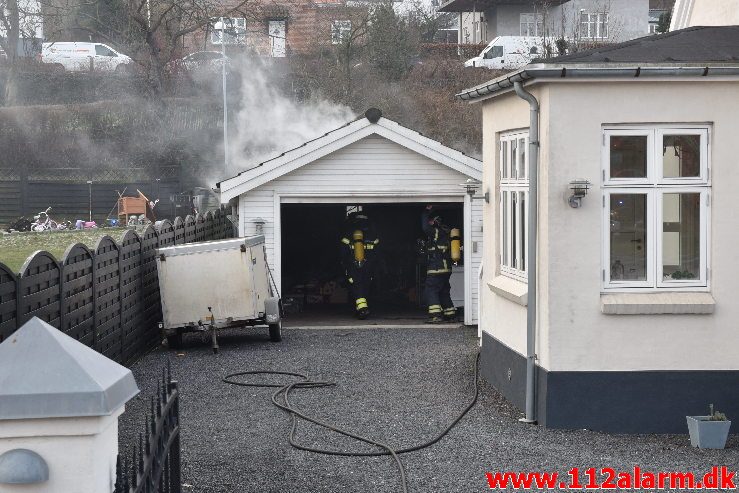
82,57
508,52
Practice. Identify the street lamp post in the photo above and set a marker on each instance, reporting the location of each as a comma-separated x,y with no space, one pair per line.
225,107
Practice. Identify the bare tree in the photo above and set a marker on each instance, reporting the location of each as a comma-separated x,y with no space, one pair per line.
155,29
19,21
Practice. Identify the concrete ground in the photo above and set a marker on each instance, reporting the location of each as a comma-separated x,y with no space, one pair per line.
397,385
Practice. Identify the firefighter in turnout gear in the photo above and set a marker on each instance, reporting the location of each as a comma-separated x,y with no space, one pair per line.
439,267
359,247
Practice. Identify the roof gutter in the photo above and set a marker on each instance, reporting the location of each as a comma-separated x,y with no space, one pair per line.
587,71
531,251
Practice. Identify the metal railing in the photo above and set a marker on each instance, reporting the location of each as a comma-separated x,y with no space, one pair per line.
155,462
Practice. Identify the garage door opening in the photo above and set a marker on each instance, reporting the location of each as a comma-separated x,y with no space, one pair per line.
314,289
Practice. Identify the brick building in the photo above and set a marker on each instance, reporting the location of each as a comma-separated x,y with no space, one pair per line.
279,29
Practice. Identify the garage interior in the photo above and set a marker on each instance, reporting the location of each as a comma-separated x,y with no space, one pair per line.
314,289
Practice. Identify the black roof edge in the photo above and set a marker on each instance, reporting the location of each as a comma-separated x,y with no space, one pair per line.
604,71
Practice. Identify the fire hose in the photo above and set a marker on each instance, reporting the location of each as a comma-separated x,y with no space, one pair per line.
306,383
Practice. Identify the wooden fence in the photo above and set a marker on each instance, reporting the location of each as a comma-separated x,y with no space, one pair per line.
107,297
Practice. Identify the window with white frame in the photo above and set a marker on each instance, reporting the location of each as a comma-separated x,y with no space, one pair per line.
233,30
532,24
340,31
656,198
594,25
514,203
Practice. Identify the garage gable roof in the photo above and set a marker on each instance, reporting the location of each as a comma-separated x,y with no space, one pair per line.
372,124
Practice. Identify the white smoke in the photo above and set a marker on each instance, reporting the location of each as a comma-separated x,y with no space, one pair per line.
269,123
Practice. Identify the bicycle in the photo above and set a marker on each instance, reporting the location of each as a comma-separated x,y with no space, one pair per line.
42,222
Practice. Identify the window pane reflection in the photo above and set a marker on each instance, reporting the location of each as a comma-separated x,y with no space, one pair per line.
681,156
681,236
628,237
628,156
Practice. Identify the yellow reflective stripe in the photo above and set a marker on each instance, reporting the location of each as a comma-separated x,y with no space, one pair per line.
361,300
438,271
345,241
435,309
351,281
362,303
369,246
450,311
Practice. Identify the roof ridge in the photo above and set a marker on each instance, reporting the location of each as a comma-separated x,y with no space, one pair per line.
358,118
625,44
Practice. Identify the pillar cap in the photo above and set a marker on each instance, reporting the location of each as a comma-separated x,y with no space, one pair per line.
47,374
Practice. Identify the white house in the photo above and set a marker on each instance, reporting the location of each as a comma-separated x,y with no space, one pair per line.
687,13
299,199
587,21
610,272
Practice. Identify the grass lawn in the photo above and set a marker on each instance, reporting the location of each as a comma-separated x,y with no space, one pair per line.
16,247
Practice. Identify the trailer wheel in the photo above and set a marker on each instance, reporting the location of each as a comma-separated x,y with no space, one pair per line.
174,341
275,332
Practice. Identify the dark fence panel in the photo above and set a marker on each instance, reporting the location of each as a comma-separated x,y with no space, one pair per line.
190,233
217,225
11,189
152,313
179,230
40,289
8,301
199,227
131,294
108,299
165,233
78,307
207,219
71,197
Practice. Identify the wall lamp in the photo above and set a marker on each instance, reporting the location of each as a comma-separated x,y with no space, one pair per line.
258,224
579,190
471,186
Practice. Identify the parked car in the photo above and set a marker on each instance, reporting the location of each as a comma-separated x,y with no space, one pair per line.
83,57
200,61
508,52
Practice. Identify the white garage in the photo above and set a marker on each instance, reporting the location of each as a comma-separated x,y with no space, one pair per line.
298,201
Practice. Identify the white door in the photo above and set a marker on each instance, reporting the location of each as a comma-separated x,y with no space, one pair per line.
277,42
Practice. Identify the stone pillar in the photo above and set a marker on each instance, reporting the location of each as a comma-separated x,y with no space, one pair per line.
59,408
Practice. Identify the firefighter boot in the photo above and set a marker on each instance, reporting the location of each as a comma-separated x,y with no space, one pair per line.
434,315
450,314
362,308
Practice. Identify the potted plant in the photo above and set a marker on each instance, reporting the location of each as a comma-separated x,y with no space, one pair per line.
709,431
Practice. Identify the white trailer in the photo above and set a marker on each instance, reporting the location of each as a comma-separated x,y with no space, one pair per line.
211,285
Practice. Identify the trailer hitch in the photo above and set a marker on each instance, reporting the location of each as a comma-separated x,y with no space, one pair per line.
213,337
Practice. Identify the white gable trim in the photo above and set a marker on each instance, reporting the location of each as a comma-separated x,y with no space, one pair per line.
340,138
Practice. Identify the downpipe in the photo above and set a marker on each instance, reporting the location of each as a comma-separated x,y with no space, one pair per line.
531,252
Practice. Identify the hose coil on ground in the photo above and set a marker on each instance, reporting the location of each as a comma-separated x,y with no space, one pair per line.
306,383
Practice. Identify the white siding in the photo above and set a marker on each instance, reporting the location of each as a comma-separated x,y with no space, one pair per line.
373,165
473,252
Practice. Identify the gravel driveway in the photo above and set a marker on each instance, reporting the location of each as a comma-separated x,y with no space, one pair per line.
400,386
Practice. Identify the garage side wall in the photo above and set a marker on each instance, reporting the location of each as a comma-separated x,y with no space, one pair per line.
370,167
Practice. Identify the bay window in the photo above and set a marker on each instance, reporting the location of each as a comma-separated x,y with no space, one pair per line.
656,198
514,199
